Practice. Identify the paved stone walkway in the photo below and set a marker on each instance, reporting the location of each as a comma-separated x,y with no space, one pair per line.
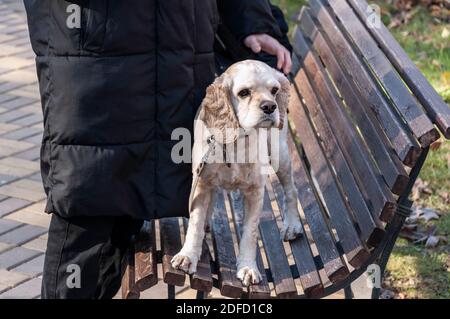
23,225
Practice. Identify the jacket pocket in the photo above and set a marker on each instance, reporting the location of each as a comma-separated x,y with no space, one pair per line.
94,28
99,109
77,25
131,27
84,177
65,27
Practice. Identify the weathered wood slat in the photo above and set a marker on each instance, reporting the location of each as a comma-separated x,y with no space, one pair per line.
225,258
437,109
145,257
295,64
301,250
331,120
337,209
129,289
390,166
405,146
202,280
409,108
276,256
367,220
170,246
262,290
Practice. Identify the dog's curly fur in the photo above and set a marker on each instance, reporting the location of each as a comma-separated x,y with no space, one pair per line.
283,99
217,111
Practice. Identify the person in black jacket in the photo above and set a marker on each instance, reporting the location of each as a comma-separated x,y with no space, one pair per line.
116,78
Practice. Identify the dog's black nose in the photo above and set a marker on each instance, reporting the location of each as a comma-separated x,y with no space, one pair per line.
268,107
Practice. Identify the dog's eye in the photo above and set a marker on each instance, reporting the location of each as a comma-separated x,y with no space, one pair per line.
275,90
244,93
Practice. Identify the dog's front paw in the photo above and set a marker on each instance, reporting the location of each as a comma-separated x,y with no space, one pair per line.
185,262
249,275
292,228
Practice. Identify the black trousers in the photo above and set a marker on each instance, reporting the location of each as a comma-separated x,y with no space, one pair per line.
84,256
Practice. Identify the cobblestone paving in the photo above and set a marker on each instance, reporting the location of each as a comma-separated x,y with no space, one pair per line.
23,225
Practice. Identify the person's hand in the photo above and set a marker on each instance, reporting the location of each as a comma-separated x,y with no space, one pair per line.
264,42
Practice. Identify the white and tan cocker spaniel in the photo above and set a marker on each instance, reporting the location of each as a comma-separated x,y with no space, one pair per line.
249,96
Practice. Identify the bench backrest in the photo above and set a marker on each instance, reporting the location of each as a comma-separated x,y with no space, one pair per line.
353,93
362,115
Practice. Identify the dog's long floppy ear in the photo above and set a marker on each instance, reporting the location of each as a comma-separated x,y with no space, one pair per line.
217,111
283,98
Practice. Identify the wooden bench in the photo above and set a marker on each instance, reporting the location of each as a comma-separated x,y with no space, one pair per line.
362,119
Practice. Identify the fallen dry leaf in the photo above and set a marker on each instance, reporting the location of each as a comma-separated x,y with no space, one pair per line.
436,145
436,63
413,234
445,196
445,78
417,234
405,10
402,296
404,33
432,241
409,227
426,214
447,263
420,187
422,213
431,231
445,33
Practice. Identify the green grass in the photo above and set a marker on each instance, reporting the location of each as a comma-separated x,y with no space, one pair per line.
413,270
436,172
422,39
290,7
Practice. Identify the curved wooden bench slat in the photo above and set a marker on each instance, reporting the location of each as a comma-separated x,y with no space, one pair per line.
437,109
368,224
225,258
129,289
402,141
304,260
262,290
334,266
390,165
370,227
334,127
276,257
146,263
339,215
405,103
169,229
202,280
